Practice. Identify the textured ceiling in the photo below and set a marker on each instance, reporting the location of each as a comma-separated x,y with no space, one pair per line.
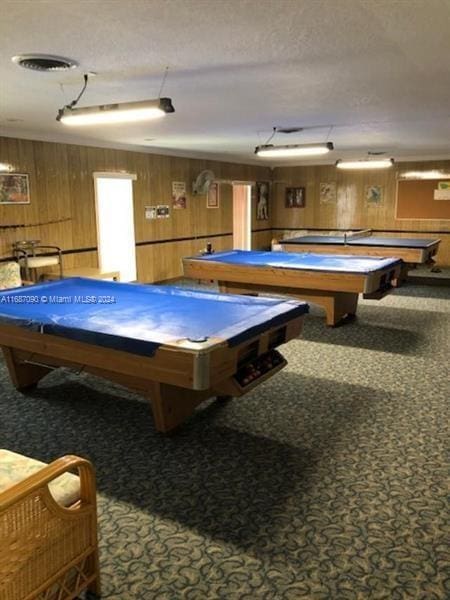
365,74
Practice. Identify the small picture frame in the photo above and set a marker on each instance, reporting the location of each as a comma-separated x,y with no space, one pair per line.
150,212
212,197
295,197
14,188
162,211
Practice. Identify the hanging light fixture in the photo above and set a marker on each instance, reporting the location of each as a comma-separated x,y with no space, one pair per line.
271,151
268,150
114,113
380,163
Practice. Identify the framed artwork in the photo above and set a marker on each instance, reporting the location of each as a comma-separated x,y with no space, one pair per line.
14,188
295,197
443,191
374,194
328,193
162,211
212,197
178,194
262,200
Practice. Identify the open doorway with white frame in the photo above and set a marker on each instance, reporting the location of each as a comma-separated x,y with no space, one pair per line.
242,215
115,223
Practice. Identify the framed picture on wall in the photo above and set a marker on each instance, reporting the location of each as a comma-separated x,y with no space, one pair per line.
262,200
295,197
14,188
162,211
212,197
374,194
328,193
178,194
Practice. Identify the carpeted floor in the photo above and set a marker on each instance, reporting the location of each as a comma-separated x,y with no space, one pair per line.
327,482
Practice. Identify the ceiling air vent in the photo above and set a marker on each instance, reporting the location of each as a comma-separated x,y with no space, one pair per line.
44,62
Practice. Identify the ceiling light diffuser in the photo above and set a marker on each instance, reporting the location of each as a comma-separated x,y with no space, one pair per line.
289,150
383,163
116,113
433,174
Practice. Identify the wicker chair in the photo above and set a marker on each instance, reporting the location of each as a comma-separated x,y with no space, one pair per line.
48,529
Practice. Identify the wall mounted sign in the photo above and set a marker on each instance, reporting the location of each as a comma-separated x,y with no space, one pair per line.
178,194
150,212
161,211
212,198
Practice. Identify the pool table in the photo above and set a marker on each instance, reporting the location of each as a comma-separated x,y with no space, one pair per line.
413,251
175,346
333,282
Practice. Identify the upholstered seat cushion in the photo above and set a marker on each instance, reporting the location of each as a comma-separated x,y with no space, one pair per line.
35,262
16,467
9,275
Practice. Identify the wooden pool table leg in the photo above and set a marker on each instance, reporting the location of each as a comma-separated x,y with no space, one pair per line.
403,276
171,405
23,375
344,304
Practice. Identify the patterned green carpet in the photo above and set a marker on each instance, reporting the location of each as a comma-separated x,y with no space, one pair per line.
327,482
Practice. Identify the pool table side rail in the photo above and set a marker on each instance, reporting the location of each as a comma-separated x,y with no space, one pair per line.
284,278
183,367
408,255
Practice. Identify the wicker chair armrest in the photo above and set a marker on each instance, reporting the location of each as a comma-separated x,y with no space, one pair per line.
40,479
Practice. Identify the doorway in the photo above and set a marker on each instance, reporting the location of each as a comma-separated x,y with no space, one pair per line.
242,216
115,223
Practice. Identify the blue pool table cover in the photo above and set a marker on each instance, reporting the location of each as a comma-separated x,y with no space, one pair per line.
142,316
306,261
363,241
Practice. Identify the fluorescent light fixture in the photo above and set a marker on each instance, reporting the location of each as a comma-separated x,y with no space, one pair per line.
271,151
116,113
433,174
381,163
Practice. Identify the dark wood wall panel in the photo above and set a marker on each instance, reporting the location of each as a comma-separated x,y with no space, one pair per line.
62,191
351,209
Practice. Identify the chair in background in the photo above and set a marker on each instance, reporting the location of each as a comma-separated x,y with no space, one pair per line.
48,529
32,255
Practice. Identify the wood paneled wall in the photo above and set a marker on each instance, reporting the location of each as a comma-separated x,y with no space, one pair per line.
62,190
351,211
